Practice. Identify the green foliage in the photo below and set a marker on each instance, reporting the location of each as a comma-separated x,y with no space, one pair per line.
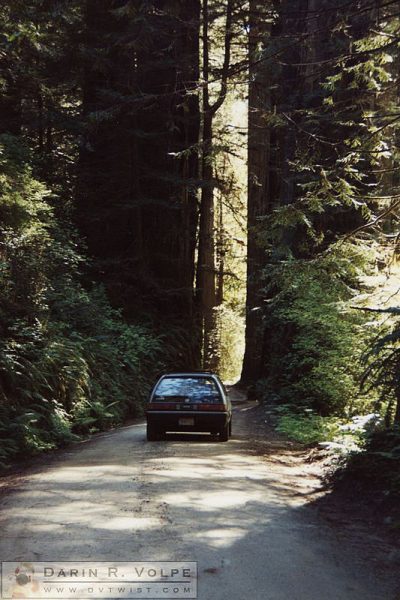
383,370
337,180
308,428
228,340
315,340
340,437
68,362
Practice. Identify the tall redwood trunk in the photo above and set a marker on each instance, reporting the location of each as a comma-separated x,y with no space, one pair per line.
206,268
258,187
206,253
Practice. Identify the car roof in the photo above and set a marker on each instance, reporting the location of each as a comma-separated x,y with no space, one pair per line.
189,374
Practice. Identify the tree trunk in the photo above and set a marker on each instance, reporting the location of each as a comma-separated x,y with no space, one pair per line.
10,110
206,254
258,187
220,254
206,270
397,411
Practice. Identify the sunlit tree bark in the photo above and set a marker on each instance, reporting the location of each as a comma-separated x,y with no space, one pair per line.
259,141
206,268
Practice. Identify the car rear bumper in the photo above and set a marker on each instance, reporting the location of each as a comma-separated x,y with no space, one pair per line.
172,420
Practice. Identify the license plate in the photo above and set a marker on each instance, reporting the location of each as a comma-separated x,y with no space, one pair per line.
186,422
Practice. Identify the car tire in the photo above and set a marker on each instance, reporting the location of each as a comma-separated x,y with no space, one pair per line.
224,433
152,433
230,428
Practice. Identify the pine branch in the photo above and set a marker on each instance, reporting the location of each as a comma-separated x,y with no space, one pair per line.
312,135
383,214
392,310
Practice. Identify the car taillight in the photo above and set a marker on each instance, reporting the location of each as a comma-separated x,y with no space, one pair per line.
213,407
160,406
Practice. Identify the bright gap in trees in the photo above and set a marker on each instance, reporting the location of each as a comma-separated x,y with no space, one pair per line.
231,233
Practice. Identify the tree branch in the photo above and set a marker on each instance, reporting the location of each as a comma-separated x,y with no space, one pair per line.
393,310
227,59
374,221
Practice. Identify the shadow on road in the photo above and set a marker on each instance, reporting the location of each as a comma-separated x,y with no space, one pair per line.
191,497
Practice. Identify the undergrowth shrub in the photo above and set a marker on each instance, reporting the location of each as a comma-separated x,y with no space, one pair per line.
69,364
308,428
314,339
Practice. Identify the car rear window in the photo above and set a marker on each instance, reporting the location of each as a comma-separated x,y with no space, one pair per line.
195,389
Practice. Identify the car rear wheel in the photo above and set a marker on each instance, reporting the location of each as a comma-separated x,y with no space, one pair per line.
153,433
230,428
224,433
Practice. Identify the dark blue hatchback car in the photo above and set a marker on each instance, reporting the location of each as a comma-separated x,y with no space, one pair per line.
189,402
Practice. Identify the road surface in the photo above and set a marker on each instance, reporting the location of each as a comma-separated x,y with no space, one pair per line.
241,514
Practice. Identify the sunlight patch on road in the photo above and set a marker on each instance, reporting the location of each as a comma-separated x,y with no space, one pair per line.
86,472
228,498
221,538
123,523
40,527
224,467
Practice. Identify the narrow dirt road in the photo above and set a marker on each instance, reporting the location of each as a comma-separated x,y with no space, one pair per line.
236,512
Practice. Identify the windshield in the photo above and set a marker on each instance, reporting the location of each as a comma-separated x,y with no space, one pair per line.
194,389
